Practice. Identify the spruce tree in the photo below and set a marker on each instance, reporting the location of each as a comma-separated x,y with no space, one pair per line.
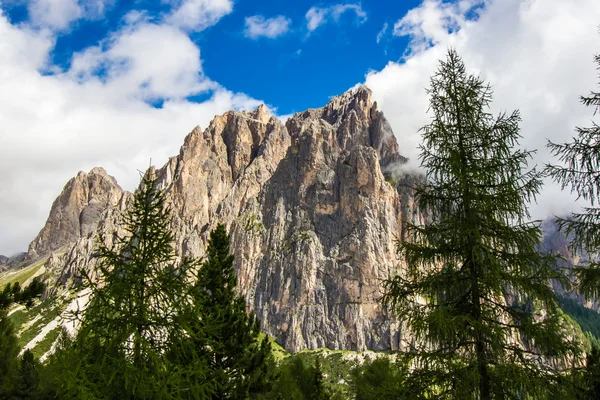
226,333
381,379
475,294
27,384
133,331
9,355
9,349
590,381
580,171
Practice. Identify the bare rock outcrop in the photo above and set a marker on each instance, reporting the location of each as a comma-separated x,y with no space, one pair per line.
312,216
77,211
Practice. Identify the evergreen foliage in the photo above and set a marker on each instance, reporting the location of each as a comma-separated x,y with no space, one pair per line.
476,294
296,379
9,356
588,320
381,379
580,171
132,333
590,389
319,391
27,385
9,349
225,333
13,293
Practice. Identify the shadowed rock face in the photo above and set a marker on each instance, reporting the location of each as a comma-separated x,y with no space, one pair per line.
312,218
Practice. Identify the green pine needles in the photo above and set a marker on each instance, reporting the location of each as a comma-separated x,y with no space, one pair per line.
149,332
580,171
227,336
475,294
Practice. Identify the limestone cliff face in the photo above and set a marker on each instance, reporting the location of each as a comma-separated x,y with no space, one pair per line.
77,211
312,218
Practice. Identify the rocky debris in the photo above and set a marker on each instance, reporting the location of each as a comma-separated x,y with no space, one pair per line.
77,211
313,219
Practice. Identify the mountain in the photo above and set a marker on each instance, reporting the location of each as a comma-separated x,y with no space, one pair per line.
76,211
314,208
555,242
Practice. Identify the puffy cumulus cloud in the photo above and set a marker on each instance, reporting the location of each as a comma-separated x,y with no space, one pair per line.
54,14
55,125
431,23
145,60
197,15
536,54
258,26
317,16
58,15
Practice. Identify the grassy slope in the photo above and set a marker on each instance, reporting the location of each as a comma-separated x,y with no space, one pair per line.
588,320
20,275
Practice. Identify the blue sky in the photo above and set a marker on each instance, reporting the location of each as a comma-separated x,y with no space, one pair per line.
115,83
277,70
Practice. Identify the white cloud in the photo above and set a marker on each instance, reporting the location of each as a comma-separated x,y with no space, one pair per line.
317,16
258,26
54,14
58,15
197,15
52,126
144,60
536,54
382,32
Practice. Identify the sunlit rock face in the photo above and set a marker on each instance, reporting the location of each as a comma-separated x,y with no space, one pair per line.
314,208
77,211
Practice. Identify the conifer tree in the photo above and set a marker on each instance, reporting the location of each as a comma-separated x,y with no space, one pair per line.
27,384
591,376
9,352
475,293
133,331
320,392
9,349
580,171
226,333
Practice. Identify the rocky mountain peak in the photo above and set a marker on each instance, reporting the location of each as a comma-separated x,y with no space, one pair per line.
358,100
313,221
261,114
77,211
350,120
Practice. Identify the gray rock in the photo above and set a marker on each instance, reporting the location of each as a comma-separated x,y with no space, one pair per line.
313,221
76,212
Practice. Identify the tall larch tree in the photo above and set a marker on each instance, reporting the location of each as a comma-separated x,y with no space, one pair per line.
134,330
475,293
580,171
